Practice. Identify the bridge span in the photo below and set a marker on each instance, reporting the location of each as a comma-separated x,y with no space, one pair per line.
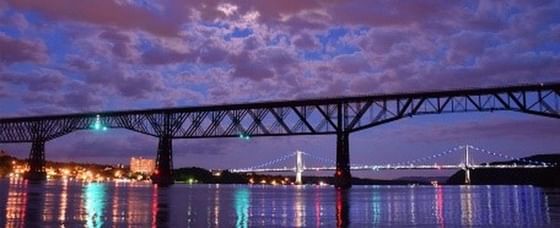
466,164
338,116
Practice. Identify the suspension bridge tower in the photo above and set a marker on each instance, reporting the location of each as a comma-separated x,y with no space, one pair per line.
467,166
299,167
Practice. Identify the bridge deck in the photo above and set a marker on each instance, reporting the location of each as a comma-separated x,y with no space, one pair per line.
403,167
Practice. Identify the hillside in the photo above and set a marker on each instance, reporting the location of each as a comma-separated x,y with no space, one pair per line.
545,177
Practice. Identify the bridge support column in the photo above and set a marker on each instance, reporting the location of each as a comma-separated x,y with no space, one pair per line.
36,162
342,176
163,175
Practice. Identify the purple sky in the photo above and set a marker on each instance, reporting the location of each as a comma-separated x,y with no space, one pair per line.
64,56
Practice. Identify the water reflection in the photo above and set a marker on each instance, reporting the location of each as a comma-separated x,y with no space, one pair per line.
439,206
466,206
116,205
299,207
552,200
34,202
242,201
318,207
16,203
75,204
376,207
160,207
342,208
216,207
155,206
95,194
63,202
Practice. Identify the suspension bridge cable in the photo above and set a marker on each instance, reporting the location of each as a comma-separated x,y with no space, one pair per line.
321,159
275,161
512,158
326,160
430,157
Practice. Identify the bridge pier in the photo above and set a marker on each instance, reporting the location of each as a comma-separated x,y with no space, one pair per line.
36,162
163,175
342,176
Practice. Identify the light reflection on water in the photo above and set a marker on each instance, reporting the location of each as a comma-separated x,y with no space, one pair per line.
242,202
110,204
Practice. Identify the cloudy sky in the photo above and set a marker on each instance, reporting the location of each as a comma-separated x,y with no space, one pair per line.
63,56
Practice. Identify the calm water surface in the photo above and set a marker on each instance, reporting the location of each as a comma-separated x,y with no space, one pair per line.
74,204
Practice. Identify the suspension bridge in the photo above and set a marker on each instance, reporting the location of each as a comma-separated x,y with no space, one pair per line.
466,164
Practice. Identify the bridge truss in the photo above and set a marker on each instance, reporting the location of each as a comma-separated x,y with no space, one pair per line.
341,116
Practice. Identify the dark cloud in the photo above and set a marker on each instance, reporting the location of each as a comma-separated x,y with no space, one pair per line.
106,13
265,63
120,43
135,85
79,63
467,44
78,98
14,50
139,86
209,54
386,13
17,20
35,82
161,56
351,64
81,98
246,66
38,98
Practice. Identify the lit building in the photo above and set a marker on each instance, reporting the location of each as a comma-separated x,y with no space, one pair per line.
142,165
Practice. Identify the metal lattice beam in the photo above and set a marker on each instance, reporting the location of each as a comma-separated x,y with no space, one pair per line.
299,117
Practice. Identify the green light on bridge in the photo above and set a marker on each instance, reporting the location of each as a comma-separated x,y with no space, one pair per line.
244,136
97,124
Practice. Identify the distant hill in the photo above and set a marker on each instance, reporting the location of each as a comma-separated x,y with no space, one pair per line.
439,179
200,175
204,176
545,177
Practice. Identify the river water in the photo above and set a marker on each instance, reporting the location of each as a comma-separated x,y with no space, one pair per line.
72,204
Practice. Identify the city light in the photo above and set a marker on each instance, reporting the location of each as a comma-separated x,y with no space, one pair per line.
142,165
192,181
118,174
83,173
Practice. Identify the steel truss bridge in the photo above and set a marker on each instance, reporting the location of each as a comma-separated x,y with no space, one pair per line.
338,116
466,164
